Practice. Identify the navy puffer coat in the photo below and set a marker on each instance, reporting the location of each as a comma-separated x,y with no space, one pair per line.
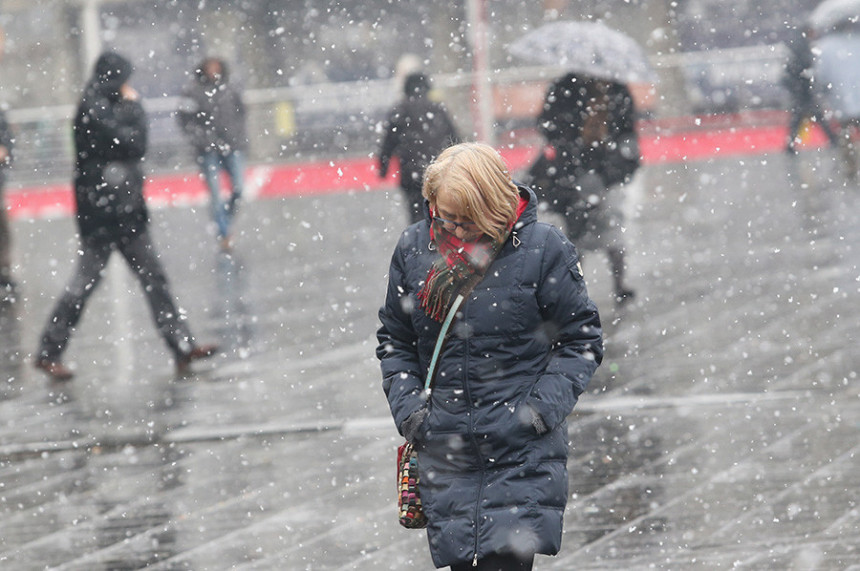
527,340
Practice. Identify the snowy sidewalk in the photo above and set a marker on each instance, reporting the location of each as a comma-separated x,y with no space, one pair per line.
721,431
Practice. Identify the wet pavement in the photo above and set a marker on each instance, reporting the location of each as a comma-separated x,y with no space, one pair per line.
720,432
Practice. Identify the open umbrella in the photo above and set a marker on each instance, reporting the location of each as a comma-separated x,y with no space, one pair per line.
589,48
832,14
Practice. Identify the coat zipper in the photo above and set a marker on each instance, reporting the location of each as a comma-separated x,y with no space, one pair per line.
475,443
515,241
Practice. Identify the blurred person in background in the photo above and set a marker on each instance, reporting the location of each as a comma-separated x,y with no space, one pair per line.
837,72
592,151
110,135
7,284
212,115
417,129
491,435
798,79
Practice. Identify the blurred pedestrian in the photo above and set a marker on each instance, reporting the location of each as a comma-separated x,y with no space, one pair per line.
416,131
837,73
7,284
798,79
212,114
592,151
492,435
110,135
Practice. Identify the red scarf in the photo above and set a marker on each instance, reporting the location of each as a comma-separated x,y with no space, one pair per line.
460,267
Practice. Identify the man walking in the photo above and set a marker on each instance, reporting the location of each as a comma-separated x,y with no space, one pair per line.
416,131
110,134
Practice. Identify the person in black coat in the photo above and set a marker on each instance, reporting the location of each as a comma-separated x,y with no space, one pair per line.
212,115
592,150
7,285
799,82
416,131
110,135
492,435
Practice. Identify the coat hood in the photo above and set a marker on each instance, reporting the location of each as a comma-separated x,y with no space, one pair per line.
111,71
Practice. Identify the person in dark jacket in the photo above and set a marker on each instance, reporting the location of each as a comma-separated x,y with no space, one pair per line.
7,284
592,151
799,82
491,436
212,114
110,135
416,131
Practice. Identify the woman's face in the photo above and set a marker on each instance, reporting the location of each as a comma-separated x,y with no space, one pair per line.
448,214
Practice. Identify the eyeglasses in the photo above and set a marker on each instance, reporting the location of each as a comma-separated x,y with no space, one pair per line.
451,226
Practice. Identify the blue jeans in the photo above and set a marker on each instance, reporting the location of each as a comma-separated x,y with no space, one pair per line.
211,164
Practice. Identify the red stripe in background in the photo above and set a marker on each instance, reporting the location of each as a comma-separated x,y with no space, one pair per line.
361,174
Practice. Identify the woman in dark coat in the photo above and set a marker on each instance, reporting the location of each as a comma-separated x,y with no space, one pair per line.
492,438
111,131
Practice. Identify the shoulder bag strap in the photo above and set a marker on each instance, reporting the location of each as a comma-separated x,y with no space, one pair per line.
441,341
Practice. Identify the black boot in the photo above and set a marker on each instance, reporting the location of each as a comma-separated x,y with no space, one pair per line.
622,293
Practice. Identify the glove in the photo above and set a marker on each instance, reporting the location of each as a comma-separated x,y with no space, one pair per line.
537,422
413,422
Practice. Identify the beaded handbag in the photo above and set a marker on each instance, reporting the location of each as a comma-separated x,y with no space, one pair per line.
409,500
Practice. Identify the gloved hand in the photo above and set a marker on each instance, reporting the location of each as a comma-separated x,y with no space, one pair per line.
537,422
413,422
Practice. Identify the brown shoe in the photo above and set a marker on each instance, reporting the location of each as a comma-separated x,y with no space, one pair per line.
183,363
55,369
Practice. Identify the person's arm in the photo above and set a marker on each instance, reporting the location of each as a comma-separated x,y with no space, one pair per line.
190,117
132,131
397,351
116,130
578,341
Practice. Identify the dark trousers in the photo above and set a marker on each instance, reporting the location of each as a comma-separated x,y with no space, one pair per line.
92,260
497,562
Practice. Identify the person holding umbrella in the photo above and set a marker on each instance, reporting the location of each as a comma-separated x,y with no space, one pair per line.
592,149
588,122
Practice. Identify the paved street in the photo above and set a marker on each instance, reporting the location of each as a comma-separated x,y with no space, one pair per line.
722,430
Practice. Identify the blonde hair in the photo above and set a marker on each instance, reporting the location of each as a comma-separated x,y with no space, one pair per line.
476,179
